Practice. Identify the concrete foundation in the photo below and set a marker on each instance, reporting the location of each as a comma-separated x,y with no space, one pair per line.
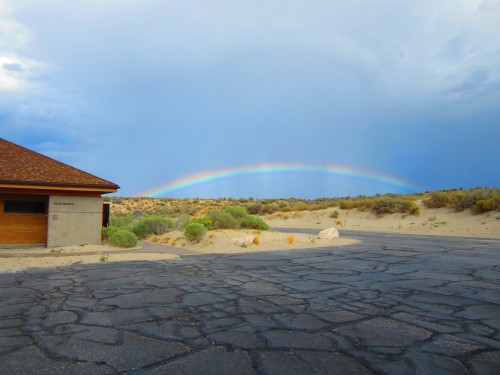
74,220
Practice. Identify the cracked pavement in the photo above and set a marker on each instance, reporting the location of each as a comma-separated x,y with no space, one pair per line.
393,304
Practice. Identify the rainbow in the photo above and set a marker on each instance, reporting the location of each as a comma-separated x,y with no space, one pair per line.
218,174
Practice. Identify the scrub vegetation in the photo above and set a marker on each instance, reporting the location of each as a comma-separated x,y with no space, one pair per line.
122,238
478,200
145,217
141,225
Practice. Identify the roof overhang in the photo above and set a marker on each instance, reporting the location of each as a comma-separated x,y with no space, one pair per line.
61,187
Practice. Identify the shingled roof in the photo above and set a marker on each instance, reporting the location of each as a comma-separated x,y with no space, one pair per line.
20,166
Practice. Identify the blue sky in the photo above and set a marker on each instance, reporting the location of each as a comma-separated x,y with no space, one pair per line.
144,92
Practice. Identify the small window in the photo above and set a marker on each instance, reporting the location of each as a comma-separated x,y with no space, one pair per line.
24,207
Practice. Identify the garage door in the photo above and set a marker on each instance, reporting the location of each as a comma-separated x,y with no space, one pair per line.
23,220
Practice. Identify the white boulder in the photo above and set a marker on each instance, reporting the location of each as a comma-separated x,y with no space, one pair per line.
328,234
243,241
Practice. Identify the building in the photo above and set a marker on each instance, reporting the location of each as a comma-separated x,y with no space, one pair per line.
44,201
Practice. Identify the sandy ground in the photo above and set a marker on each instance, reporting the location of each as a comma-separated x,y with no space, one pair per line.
14,259
442,222
219,241
429,222
42,257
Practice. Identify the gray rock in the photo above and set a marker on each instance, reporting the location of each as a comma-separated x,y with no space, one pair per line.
328,234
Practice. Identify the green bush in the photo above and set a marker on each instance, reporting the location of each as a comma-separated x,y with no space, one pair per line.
108,231
141,229
205,221
182,221
123,238
254,222
223,220
158,224
120,220
194,232
153,224
238,212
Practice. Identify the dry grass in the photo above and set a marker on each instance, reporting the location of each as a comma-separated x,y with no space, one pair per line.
290,239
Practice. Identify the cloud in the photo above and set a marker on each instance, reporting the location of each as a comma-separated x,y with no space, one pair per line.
17,71
189,81
16,67
20,74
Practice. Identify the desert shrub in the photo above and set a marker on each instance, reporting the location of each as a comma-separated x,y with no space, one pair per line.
269,208
158,224
182,221
390,205
238,212
335,214
464,199
495,203
362,204
194,232
253,222
223,220
255,208
437,199
108,231
461,200
123,238
408,207
121,221
383,206
153,224
141,229
486,205
290,239
347,205
205,221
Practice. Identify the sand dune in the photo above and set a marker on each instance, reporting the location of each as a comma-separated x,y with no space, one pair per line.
442,222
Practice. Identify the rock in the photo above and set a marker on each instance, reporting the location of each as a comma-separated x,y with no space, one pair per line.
243,241
328,234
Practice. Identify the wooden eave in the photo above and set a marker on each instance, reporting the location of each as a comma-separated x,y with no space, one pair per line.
103,189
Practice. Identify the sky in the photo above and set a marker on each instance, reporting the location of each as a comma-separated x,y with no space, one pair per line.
253,98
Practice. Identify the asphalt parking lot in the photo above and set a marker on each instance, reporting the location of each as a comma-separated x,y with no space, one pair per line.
393,304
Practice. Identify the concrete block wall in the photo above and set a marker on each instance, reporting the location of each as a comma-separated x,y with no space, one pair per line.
74,220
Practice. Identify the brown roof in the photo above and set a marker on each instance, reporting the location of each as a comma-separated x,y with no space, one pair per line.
21,166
